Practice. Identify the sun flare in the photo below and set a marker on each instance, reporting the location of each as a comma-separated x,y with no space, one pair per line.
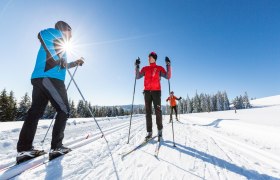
67,46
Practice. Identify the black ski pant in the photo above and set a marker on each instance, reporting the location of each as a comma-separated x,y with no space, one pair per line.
153,97
175,109
45,90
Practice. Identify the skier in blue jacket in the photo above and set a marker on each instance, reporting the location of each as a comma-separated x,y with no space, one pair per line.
48,85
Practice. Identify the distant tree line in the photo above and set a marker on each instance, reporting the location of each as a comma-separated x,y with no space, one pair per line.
10,110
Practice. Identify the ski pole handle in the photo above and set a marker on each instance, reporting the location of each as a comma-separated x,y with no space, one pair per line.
137,62
167,61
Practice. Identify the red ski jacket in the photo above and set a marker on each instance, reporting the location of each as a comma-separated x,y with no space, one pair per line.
153,74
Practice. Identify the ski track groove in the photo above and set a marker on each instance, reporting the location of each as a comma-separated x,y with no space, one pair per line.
114,151
98,160
199,144
192,143
122,126
212,161
105,157
38,137
205,146
80,138
241,160
220,170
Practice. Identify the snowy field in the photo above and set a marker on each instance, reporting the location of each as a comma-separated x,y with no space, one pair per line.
217,145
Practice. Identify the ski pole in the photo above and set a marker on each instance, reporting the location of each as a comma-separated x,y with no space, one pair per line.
103,135
132,105
90,111
42,142
169,95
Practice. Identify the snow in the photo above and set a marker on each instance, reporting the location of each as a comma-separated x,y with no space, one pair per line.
268,101
216,145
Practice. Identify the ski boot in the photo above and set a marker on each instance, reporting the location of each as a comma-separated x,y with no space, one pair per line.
54,153
149,136
27,155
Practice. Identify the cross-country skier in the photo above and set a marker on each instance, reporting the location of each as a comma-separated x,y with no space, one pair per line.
152,90
173,105
48,85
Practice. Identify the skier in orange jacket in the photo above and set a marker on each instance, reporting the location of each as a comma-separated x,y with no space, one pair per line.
173,104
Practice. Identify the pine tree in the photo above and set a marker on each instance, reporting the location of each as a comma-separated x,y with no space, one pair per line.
80,109
196,104
220,101
184,106
95,111
73,110
238,102
24,106
121,110
109,112
114,111
246,101
8,106
225,101
208,102
4,104
213,103
203,103
189,105
86,110
49,112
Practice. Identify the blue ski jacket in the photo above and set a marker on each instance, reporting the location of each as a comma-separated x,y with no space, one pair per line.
50,55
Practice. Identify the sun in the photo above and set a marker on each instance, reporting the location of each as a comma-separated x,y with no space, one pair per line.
67,46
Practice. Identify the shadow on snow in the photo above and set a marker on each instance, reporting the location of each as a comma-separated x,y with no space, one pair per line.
249,174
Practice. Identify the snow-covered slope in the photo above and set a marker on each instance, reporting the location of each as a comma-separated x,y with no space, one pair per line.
218,145
268,101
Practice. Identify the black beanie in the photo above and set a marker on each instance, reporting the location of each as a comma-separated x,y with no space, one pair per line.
62,26
154,55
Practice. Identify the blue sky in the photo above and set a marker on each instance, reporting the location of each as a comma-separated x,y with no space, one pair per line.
214,45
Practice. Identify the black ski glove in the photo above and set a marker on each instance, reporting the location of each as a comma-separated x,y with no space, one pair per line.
167,61
180,98
137,63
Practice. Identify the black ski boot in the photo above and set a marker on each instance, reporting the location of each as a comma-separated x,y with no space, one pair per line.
27,155
149,136
54,153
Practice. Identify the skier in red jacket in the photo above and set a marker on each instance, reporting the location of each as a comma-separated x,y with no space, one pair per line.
152,90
